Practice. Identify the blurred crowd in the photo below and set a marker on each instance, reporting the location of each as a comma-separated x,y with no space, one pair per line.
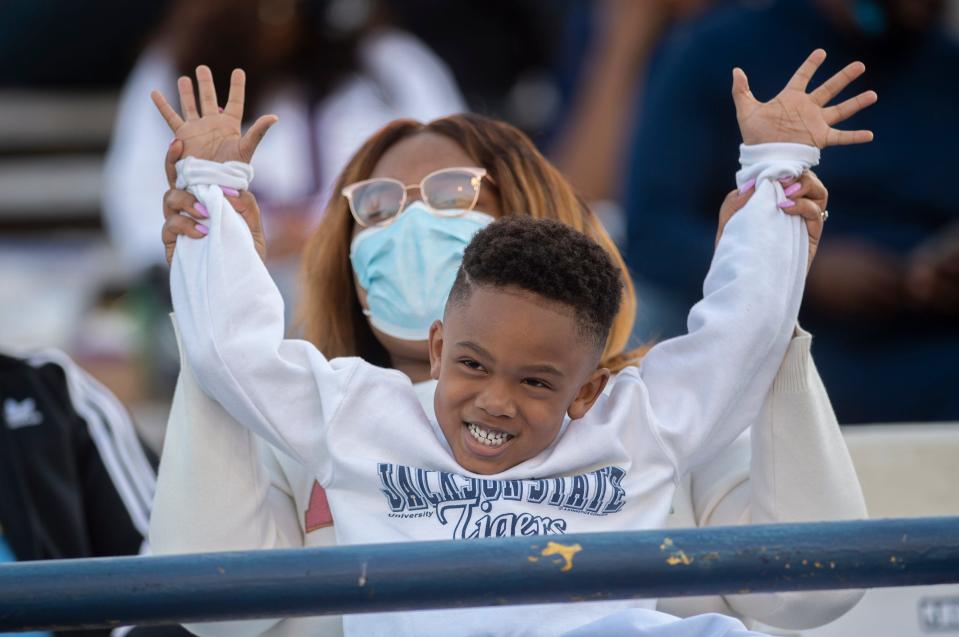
629,98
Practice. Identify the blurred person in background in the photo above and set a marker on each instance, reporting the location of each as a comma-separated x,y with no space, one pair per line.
500,51
598,54
333,71
609,48
75,480
883,297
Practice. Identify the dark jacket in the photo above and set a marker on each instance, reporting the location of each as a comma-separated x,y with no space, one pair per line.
75,481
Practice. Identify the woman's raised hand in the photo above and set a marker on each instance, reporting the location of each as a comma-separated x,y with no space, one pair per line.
807,197
213,133
800,117
184,215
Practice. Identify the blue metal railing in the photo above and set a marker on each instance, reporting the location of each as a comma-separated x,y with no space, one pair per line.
370,578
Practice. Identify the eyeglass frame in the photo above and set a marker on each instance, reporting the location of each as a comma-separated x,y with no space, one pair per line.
478,174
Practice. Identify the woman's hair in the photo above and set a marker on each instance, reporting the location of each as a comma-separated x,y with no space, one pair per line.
525,183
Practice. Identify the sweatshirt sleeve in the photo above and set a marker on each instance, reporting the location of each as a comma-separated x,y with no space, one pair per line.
705,387
214,501
231,321
800,471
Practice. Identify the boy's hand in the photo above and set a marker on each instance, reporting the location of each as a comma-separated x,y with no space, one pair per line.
800,117
184,215
214,135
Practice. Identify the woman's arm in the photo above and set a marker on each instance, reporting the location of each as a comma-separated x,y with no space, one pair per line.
215,502
800,471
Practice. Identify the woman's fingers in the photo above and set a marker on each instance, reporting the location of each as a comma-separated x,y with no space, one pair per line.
243,202
846,109
176,201
811,214
180,225
184,86
173,120
813,188
801,78
254,136
234,101
832,87
807,186
183,225
808,210
204,80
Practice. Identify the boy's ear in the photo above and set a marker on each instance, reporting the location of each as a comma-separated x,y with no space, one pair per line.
588,393
436,349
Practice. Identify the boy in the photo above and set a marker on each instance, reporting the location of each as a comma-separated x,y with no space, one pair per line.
514,357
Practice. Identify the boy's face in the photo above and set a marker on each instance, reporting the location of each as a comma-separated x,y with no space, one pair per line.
510,365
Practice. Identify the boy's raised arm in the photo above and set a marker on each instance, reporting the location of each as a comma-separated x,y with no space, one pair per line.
229,312
706,387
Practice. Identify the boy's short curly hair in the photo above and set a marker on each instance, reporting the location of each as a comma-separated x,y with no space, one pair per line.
547,258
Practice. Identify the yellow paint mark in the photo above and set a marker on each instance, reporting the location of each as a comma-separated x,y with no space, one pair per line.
565,551
817,564
667,543
892,559
532,558
679,557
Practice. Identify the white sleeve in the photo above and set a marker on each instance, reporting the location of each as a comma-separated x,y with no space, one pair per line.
706,387
213,501
230,315
801,471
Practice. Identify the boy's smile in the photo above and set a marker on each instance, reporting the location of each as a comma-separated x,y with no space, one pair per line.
510,365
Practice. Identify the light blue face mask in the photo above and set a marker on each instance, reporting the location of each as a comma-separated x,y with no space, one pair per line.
407,268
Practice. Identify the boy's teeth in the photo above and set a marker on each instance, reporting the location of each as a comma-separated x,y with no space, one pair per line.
487,437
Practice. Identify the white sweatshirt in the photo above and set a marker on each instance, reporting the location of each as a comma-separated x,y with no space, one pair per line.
616,468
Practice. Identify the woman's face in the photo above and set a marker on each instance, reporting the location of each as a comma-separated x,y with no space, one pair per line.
409,161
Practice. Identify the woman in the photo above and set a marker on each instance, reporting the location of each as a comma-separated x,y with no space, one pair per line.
264,500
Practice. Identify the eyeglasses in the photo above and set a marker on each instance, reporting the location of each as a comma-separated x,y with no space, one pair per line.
447,192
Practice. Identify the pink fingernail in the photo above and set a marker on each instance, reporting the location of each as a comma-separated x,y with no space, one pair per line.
786,203
202,229
201,209
219,109
230,192
792,189
746,187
